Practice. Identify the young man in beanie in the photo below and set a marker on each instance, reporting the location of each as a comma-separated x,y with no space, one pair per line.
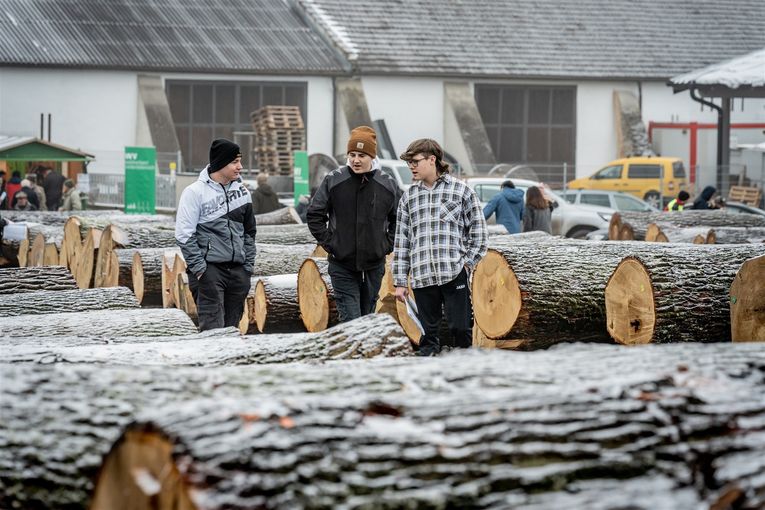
353,217
440,237
215,228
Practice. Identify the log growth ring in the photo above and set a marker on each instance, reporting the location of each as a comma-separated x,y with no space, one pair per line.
496,295
630,307
260,308
312,297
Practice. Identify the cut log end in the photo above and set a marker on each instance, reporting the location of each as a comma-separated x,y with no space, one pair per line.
699,239
614,226
496,295
747,295
652,232
630,307
312,297
138,276
140,469
661,237
406,322
626,232
711,237
260,308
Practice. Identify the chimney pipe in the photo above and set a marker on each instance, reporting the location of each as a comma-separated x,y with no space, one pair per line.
42,126
49,122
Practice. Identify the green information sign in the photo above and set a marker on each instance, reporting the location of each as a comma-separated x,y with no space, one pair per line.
140,180
300,177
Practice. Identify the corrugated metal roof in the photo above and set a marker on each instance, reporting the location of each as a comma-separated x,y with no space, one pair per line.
653,39
745,71
183,35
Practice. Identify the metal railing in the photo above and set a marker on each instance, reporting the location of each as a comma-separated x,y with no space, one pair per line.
108,190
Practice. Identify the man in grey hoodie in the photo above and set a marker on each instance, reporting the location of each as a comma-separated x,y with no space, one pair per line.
508,206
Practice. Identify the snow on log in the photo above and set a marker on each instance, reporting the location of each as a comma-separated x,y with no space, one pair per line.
585,426
367,337
139,322
641,221
54,218
61,301
284,234
316,298
736,235
281,216
33,279
272,305
674,295
747,302
140,236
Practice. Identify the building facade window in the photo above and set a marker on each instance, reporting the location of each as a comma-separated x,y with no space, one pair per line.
203,111
531,125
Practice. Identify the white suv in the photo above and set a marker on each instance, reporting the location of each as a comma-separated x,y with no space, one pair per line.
567,219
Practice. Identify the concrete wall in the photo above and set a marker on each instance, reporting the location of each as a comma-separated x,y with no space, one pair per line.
97,111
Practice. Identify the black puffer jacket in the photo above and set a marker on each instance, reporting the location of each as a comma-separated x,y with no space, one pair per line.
353,216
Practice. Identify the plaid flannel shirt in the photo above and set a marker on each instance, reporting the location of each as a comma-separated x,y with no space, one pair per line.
438,232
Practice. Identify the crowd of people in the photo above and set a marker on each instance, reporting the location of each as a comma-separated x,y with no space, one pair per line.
43,189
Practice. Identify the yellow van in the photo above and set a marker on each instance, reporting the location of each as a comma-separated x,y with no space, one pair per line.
639,176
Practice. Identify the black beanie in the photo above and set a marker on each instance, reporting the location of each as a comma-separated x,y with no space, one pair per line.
222,152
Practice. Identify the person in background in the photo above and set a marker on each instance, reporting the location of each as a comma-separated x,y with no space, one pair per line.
538,212
22,202
704,200
441,236
12,187
27,188
678,204
38,190
353,217
508,206
72,200
2,185
264,199
53,185
215,229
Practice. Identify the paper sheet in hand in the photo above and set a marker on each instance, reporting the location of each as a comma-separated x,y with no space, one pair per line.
411,311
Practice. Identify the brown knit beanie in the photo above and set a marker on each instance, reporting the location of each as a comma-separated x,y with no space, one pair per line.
363,139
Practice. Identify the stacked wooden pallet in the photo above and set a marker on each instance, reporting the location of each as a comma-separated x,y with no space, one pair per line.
279,131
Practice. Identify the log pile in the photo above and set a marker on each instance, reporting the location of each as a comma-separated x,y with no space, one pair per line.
698,227
33,279
672,295
676,426
60,301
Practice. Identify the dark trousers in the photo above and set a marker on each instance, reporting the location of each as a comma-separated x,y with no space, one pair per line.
454,297
220,295
355,291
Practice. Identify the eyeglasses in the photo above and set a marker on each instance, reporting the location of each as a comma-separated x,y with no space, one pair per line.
414,162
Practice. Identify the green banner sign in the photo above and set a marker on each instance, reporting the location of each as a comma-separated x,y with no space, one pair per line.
300,177
140,180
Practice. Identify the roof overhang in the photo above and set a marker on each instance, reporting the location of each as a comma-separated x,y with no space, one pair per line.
27,148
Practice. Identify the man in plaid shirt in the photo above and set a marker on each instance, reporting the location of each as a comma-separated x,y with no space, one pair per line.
440,237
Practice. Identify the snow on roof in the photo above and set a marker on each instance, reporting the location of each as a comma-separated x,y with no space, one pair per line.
744,71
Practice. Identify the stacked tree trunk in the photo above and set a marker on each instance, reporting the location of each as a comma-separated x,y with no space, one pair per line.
272,305
281,216
375,335
675,295
574,427
34,279
128,322
687,226
61,301
284,234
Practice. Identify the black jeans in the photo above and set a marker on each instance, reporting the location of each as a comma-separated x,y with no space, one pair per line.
455,298
220,295
355,291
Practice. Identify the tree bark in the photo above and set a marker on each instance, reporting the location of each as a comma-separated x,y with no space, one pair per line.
747,297
138,236
146,322
61,301
284,234
368,337
275,259
316,296
574,427
33,279
56,217
691,218
125,258
272,305
736,235
674,295
281,216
